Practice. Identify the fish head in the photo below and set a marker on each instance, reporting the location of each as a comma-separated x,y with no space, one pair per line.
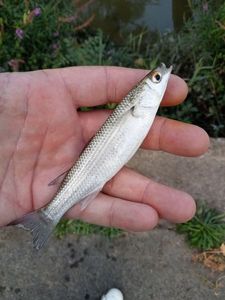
156,82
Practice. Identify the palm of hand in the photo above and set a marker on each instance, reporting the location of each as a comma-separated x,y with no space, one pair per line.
42,134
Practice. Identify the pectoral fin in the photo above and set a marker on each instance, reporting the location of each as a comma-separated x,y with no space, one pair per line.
58,179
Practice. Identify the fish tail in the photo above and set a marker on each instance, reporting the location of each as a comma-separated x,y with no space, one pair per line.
39,225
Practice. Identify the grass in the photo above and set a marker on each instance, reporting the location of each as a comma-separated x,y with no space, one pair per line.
206,230
81,228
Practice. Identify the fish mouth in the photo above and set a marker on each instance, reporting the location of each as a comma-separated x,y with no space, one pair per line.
164,70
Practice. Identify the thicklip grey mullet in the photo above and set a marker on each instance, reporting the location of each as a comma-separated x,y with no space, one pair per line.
108,151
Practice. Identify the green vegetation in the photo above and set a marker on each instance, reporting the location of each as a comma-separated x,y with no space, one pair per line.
79,227
206,230
36,37
50,36
198,55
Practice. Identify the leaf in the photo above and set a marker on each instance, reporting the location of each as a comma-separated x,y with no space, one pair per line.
206,230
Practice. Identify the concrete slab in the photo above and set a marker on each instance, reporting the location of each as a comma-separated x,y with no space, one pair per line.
202,177
155,265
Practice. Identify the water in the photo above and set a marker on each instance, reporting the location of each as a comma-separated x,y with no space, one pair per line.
116,17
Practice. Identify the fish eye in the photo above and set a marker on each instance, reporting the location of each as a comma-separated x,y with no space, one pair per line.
156,77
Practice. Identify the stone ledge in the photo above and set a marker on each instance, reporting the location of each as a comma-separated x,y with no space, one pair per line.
202,177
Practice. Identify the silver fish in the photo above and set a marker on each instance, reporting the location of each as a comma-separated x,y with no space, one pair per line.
109,150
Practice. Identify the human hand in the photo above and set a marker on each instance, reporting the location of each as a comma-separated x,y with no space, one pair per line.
42,134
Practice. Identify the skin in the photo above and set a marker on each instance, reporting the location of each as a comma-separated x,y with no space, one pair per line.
42,134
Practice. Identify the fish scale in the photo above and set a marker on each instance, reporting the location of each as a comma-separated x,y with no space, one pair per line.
109,150
79,170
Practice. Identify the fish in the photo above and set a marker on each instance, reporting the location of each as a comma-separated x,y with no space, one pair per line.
107,152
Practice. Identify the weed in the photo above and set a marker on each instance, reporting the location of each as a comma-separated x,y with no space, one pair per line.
206,230
197,54
78,227
36,37
47,36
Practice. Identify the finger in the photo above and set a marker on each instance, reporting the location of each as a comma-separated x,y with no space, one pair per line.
91,86
167,135
171,204
115,212
176,137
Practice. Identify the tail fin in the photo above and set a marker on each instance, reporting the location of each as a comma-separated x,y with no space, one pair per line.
39,225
